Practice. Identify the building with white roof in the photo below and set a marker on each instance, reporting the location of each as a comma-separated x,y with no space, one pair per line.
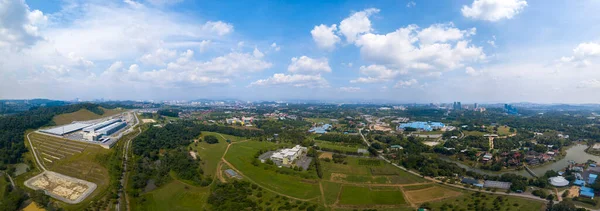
287,156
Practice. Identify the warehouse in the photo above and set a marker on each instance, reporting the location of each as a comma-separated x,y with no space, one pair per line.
65,129
108,130
100,125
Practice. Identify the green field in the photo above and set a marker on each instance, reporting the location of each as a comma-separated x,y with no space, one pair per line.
354,172
83,115
354,195
210,154
469,200
175,195
339,146
331,191
241,154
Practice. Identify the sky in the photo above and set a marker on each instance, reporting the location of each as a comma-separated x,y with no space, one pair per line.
405,51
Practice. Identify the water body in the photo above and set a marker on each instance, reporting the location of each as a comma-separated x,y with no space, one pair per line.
576,153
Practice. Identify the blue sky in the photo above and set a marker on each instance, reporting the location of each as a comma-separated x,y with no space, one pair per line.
401,51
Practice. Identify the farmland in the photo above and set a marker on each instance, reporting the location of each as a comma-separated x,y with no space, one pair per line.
327,145
360,170
355,195
83,115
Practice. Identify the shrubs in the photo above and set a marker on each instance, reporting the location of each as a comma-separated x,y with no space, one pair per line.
541,193
210,139
585,200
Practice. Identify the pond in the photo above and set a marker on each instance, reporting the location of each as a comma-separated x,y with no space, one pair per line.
576,153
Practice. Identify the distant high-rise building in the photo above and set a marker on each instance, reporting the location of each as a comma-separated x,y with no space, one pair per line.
475,106
457,106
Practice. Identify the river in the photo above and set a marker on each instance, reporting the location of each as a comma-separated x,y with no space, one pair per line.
576,153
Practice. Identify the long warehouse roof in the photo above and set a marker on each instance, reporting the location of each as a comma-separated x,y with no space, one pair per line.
61,130
101,125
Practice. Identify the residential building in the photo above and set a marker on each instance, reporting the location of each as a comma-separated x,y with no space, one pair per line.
288,156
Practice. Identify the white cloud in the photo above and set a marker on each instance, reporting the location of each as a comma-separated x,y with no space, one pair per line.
493,10
349,89
159,57
407,83
324,36
257,53
472,72
19,26
358,23
583,55
275,47
204,44
411,4
219,27
376,74
295,80
591,83
440,33
403,50
307,65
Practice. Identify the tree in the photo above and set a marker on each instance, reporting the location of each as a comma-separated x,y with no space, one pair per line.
210,139
40,198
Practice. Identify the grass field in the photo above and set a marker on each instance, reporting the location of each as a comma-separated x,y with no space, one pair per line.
354,195
430,194
83,115
241,154
331,191
75,159
175,195
354,172
339,146
471,200
210,154
3,183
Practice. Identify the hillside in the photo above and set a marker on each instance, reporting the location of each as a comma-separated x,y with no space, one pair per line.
83,115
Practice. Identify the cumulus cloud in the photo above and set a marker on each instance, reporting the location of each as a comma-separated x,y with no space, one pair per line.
219,27
411,4
472,72
493,10
349,89
325,36
257,53
158,57
295,80
19,26
275,47
443,49
358,23
407,83
583,54
307,65
376,74
440,33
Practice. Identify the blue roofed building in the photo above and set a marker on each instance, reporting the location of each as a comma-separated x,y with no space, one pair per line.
579,183
587,192
592,178
423,126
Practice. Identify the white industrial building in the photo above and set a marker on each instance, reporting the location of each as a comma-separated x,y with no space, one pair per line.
103,129
287,156
65,129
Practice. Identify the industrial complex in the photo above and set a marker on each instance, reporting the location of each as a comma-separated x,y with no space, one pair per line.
103,131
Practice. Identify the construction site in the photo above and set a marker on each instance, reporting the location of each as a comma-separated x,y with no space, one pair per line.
67,189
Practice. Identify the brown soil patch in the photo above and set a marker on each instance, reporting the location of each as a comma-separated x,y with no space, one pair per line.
573,192
326,155
430,194
337,177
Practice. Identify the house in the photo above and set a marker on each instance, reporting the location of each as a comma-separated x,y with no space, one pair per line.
487,157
